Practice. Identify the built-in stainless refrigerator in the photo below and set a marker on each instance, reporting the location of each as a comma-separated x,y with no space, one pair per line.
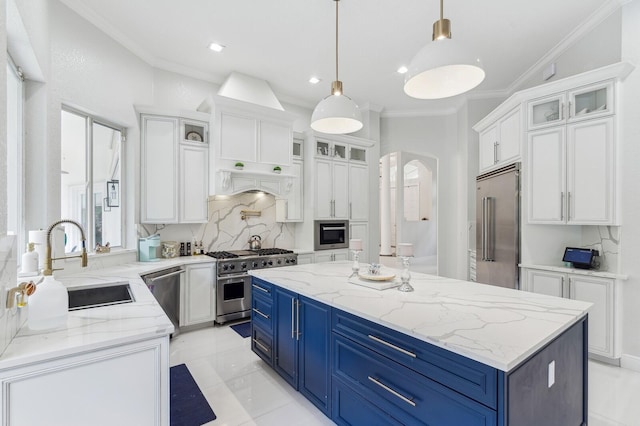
498,227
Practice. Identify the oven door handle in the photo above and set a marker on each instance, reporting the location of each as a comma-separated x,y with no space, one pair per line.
232,277
334,228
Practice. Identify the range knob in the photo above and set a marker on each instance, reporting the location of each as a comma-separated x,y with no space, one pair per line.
225,267
271,263
254,264
286,261
264,263
279,261
232,267
243,265
293,260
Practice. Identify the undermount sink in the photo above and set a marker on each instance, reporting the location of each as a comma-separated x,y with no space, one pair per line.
94,296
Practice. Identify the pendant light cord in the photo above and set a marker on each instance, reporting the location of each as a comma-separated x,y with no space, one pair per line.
441,7
337,38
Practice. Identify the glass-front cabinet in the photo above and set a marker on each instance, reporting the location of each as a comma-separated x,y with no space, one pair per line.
357,154
331,149
583,103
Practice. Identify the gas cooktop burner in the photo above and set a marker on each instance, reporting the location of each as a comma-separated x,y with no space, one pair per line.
222,255
271,251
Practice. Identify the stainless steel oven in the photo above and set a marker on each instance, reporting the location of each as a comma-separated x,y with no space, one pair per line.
331,234
233,297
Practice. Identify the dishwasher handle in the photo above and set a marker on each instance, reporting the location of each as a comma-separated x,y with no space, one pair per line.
165,276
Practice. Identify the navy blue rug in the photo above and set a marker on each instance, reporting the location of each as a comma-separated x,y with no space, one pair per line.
243,329
188,406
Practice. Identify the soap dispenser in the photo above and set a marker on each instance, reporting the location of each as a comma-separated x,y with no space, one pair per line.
49,306
30,260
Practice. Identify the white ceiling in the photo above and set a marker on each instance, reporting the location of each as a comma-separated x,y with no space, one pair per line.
287,41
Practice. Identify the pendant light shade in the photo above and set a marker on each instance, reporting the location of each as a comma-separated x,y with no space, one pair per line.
443,68
337,113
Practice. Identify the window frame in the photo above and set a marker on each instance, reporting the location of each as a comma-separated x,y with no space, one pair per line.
90,120
20,230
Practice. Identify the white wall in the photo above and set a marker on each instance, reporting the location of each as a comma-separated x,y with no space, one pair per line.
599,47
630,230
437,137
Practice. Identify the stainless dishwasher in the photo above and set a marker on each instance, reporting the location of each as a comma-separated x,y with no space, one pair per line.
165,287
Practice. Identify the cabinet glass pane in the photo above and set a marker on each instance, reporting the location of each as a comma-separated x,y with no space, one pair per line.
545,112
194,132
357,154
593,101
297,148
339,151
322,148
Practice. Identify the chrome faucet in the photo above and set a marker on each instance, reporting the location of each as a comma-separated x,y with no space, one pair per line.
48,267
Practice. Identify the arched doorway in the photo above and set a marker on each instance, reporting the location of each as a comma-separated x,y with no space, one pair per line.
409,213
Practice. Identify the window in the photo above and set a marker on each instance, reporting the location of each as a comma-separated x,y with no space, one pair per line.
15,98
91,179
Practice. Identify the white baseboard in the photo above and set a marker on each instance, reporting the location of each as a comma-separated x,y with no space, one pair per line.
630,362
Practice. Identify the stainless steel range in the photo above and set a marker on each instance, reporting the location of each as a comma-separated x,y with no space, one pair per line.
233,285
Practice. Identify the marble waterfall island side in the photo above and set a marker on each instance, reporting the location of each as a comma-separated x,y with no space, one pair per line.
487,354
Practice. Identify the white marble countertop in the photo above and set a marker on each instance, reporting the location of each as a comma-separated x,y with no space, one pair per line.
566,270
493,325
95,328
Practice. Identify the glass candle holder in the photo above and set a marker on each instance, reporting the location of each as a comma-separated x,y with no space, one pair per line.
405,277
355,267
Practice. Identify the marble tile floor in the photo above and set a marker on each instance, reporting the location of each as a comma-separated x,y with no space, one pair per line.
243,391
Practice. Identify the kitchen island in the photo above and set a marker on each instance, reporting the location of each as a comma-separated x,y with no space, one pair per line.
451,352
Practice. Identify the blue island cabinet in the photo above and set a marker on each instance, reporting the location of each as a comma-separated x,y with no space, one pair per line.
358,372
297,340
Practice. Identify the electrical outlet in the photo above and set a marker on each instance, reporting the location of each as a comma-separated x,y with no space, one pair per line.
551,374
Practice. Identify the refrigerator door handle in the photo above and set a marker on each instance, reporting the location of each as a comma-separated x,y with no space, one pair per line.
483,231
489,231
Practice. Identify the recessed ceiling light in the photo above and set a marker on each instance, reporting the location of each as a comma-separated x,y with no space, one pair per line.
314,80
402,70
216,47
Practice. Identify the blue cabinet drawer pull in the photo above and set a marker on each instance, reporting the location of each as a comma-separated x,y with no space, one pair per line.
260,288
263,347
260,313
404,351
391,391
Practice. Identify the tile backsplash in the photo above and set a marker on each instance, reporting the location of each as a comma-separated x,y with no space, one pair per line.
227,230
10,319
605,239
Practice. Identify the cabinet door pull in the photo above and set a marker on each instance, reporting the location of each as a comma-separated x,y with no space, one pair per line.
260,288
393,392
568,205
297,320
562,206
399,349
263,347
260,313
569,111
292,315
561,111
497,159
350,210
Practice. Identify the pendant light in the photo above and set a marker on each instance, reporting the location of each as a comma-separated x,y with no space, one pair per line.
337,113
442,68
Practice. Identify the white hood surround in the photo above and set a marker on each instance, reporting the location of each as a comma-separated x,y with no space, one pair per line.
249,127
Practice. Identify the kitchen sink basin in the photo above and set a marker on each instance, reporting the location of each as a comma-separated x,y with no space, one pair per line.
99,295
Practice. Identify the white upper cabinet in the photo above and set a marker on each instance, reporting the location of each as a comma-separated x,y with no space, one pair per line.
194,178
159,171
582,103
275,144
572,182
500,141
174,168
240,138
358,192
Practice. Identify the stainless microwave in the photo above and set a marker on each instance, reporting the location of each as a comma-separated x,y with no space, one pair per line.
331,234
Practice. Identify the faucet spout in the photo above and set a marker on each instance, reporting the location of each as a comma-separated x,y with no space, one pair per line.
48,269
